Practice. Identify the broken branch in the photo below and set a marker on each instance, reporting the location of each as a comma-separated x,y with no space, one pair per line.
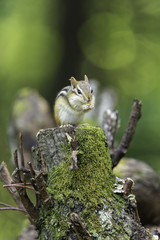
21,149
9,207
128,135
79,227
7,180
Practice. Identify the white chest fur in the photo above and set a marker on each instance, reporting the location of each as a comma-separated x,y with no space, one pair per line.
70,116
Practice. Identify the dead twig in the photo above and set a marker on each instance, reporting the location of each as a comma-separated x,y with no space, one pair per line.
7,180
28,205
32,171
41,186
110,125
79,227
74,160
74,145
9,207
18,185
128,135
16,158
21,149
128,187
21,185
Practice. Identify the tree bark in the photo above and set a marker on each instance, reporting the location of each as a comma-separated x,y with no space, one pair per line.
87,202
146,190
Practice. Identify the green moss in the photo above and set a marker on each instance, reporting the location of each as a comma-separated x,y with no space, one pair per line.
87,191
93,179
82,188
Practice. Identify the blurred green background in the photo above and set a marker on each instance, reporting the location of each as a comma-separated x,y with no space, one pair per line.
45,42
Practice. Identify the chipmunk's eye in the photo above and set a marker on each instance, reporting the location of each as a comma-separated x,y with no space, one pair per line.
79,91
91,90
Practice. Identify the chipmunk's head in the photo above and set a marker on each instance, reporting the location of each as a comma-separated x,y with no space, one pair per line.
81,97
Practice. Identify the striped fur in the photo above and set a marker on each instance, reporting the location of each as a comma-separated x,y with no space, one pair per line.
72,102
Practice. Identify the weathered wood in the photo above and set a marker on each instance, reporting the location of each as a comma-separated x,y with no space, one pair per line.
146,190
88,202
6,179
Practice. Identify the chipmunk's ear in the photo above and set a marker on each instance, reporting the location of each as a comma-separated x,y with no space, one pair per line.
86,78
73,82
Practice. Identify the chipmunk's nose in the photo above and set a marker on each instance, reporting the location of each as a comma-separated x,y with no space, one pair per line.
89,99
88,102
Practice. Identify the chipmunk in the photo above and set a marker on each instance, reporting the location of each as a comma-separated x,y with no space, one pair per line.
73,101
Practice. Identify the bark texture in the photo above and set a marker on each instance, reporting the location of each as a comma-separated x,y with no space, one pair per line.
146,190
88,202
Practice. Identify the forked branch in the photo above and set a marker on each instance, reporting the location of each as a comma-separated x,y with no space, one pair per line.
110,126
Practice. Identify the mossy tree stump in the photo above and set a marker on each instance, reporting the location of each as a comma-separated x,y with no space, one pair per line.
83,204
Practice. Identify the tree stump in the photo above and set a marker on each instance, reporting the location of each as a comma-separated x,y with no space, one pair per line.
146,190
87,202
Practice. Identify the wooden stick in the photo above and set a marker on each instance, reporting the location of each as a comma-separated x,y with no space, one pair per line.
9,207
21,149
128,135
7,180
18,185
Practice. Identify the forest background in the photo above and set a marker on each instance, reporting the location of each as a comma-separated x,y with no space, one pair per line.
45,42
